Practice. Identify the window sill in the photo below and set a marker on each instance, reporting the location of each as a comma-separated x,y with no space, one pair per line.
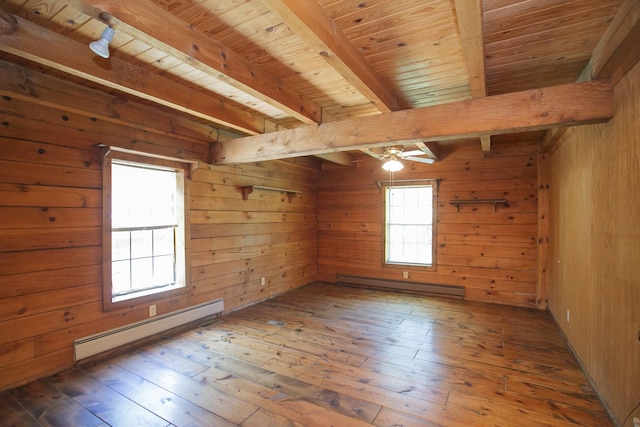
139,299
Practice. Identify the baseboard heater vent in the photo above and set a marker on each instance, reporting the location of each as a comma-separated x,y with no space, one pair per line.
104,341
443,290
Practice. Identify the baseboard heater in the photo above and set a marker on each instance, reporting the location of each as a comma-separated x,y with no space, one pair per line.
104,341
442,290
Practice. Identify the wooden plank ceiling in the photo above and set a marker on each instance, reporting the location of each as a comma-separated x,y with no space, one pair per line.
263,66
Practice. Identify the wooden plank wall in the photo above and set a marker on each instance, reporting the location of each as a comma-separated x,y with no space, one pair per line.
493,254
50,233
594,268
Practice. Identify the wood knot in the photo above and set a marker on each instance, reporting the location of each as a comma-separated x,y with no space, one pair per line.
8,23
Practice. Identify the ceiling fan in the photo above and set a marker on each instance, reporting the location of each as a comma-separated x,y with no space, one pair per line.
393,154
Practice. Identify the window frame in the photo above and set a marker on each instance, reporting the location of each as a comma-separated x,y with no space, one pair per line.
183,257
434,183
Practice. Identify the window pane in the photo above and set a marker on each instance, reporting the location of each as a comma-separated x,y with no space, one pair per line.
120,276
396,214
411,253
424,253
163,241
141,243
395,252
141,273
163,270
425,234
120,245
395,234
410,234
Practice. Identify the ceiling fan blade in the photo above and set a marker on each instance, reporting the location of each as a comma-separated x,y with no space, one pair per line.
373,153
413,153
420,159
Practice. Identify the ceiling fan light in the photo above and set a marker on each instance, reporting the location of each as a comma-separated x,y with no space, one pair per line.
101,46
392,165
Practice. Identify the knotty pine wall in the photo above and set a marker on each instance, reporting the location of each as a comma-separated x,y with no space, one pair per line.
594,261
50,233
492,253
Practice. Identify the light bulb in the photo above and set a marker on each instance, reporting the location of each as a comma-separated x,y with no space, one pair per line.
101,46
392,165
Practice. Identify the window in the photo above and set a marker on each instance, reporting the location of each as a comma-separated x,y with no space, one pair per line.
145,242
409,228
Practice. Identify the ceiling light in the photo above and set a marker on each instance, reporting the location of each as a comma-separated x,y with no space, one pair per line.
392,165
101,46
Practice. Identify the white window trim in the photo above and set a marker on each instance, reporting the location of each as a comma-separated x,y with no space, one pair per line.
186,168
411,183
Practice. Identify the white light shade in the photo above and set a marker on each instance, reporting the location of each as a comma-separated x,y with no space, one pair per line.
392,165
101,46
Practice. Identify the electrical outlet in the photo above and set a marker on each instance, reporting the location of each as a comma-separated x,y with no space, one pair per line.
152,310
568,315
405,274
263,281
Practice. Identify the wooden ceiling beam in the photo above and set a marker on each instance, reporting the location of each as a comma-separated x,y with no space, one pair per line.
431,150
615,54
485,144
469,13
573,104
312,23
42,89
339,158
54,50
618,49
153,25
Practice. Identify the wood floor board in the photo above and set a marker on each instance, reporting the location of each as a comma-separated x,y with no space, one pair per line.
228,348
331,379
299,389
554,390
489,360
181,365
293,354
328,355
240,326
15,415
557,410
275,401
216,401
442,316
501,412
335,355
390,418
463,330
263,418
441,376
403,337
51,407
175,409
110,406
414,386
420,326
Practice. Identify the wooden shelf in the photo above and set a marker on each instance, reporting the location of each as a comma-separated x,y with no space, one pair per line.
495,202
248,189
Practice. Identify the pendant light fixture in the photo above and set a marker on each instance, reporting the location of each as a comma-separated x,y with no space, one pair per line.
392,165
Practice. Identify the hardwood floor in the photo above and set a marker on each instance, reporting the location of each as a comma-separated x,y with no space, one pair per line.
326,355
